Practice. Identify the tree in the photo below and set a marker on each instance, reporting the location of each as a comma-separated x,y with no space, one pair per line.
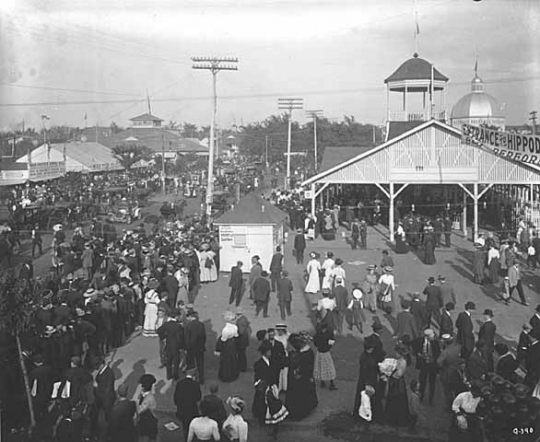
17,307
173,125
130,154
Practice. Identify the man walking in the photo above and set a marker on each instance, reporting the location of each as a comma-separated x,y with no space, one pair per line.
447,324
427,352
195,336
447,291
487,335
37,241
255,272
242,342
236,283
284,294
514,275
276,265
261,294
172,333
341,295
299,246
406,324
433,301
448,365
186,396
464,326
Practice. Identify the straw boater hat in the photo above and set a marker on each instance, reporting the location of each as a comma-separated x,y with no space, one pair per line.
281,327
371,267
313,255
357,293
388,269
89,293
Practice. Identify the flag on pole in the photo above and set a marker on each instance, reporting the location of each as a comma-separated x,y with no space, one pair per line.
85,118
417,29
476,67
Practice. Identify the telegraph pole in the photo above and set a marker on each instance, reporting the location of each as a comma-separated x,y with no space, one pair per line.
289,104
314,114
214,65
533,119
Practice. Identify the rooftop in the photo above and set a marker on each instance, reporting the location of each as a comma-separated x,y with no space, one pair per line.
415,69
145,117
252,209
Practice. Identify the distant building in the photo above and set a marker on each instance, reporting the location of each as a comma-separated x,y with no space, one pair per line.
477,107
146,121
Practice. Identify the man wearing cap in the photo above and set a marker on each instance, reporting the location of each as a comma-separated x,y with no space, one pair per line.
195,336
284,294
276,265
172,333
448,365
447,291
486,333
261,294
186,397
433,301
464,326
236,283
406,325
299,246
121,418
170,284
244,335
427,351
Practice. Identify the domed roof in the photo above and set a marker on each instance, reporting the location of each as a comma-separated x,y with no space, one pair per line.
477,103
415,69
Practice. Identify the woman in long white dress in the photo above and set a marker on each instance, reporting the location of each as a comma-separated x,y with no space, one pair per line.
182,276
207,264
337,272
151,301
327,266
313,267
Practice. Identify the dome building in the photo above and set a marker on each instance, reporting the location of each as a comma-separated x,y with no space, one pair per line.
477,107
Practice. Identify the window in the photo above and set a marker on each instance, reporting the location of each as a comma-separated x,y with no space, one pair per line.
239,240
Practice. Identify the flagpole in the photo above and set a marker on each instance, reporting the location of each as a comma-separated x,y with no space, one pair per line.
416,31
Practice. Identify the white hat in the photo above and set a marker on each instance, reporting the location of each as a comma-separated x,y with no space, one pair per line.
357,293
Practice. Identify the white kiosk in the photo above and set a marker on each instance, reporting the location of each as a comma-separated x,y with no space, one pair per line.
252,227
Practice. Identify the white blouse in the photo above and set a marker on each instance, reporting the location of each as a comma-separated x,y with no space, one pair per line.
236,427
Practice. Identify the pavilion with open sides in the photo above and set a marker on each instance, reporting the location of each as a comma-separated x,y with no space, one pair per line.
430,153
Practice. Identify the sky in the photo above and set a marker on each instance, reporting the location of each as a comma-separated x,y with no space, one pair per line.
69,59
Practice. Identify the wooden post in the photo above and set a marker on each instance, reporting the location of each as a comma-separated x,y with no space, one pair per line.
475,226
313,199
391,214
464,215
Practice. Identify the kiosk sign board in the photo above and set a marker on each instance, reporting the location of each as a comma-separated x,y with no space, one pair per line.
524,148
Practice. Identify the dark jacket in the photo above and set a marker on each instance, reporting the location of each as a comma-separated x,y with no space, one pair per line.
406,325
433,296
299,242
121,425
173,334
378,351
506,367
418,310
195,336
487,334
476,365
276,265
105,391
236,278
464,326
278,359
44,377
446,324
341,295
261,289
186,396
244,332
217,407
418,349
262,372
284,290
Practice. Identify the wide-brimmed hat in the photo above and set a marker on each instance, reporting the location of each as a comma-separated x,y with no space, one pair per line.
357,293
371,267
281,326
229,316
441,278
236,403
239,311
153,284
388,269
89,293
446,337
313,255
205,246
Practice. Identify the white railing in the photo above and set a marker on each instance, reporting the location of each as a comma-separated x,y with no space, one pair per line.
417,116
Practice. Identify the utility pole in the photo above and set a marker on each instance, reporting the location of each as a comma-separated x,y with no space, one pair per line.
163,177
214,65
533,118
289,104
266,151
314,114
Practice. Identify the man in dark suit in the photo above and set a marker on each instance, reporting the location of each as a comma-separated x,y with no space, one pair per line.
105,391
535,320
476,364
42,379
447,324
261,294
284,294
532,360
448,365
195,337
447,291
341,295
242,342
376,342
170,285
433,301
464,326
254,273
278,358
406,325
236,283
276,266
299,246
186,396
487,335
418,310
507,365
121,419
172,333
216,405
263,377
427,351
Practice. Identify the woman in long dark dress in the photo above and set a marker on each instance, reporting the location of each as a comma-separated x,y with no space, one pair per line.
397,407
368,374
301,393
479,259
263,377
226,349
401,245
429,246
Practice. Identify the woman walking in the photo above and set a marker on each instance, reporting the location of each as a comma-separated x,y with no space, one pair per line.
226,350
355,311
386,293
325,370
397,408
151,301
313,284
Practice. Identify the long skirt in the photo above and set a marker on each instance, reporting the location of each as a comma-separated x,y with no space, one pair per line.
150,319
228,360
324,370
282,381
429,253
313,284
301,397
397,407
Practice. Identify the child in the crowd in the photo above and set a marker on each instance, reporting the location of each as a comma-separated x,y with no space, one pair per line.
365,405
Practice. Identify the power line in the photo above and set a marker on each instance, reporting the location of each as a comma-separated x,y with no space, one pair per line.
48,88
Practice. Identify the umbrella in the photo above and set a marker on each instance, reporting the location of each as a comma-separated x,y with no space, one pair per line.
151,219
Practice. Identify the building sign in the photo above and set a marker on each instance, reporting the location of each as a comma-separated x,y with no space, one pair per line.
43,171
226,234
518,147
